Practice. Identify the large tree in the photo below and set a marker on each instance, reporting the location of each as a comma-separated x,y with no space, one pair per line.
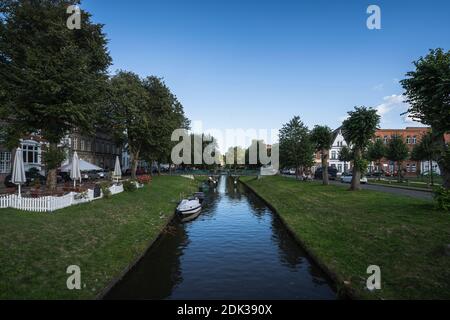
358,129
130,115
51,77
296,147
426,150
166,114
428,93
322,137
397,151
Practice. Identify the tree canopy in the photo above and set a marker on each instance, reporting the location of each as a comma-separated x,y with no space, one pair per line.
358,129
296,147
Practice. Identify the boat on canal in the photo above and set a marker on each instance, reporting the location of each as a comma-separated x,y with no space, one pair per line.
188,208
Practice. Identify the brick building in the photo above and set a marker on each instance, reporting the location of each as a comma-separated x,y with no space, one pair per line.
411,136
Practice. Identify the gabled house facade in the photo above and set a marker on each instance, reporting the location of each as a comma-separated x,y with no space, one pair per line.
335,151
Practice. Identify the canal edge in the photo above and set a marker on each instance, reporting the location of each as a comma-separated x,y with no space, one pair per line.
342,290
102,294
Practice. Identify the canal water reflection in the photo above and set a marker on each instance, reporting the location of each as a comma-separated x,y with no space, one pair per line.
236,249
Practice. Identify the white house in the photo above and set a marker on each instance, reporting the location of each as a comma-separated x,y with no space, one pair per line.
336,147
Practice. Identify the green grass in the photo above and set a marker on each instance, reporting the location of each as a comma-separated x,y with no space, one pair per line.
410,183
348,231
102,237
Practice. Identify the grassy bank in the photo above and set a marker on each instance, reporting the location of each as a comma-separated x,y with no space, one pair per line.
348,231
102,237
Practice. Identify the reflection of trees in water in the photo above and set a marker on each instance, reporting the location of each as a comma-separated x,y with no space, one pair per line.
159,271
317,275
290,253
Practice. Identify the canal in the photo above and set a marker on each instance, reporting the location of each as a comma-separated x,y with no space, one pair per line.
236,249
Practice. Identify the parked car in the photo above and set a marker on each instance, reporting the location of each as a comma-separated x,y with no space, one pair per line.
31,177
139,171
332,173
347,178
375,174
97,174
292,172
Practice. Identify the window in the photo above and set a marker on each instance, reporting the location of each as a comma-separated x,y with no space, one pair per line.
82,145
5,162
408,140
340,167
75,143
408,169
385,139
30,153
413,167
88,145
414,140
333,155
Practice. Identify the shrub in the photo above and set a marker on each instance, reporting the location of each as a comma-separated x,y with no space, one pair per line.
442,198
129,185
104,186
144,179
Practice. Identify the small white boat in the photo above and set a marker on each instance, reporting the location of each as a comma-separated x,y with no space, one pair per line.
188,207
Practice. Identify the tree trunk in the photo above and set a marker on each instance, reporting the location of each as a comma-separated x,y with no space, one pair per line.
443,166
356,176
325,167
296,173
51,175
399,171
379,170
430,172
134,163
159,169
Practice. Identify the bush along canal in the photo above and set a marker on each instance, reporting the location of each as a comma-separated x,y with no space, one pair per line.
236,249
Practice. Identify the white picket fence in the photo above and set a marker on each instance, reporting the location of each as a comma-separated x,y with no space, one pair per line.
50,203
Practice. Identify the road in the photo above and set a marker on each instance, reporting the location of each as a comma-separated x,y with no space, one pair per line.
404,192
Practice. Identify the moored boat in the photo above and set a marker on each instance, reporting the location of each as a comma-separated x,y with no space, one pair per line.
189,207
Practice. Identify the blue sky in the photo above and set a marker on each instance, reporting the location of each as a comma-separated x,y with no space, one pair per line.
255,64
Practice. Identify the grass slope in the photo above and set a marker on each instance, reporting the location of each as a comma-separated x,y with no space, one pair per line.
102,237
348,231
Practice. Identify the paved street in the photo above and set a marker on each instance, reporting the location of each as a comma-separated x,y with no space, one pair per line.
405,192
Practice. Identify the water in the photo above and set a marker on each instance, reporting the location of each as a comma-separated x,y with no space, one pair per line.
236,249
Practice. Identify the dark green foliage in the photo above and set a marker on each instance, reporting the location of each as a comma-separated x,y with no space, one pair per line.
376,150
428,93
51,77
296,147
322,138
359,129
397,151
52,156
442,197
346,154
129,185
104,186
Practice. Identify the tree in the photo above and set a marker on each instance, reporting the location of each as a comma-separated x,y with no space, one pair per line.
428,92
376,152
51,77
426,150
358,129
345,155
397,151
296,147
130,114
165,114
322,137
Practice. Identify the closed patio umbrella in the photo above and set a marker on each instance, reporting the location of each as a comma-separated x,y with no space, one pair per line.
18,174
117,171
75,173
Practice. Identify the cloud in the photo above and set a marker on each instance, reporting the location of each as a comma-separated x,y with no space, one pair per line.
390,103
